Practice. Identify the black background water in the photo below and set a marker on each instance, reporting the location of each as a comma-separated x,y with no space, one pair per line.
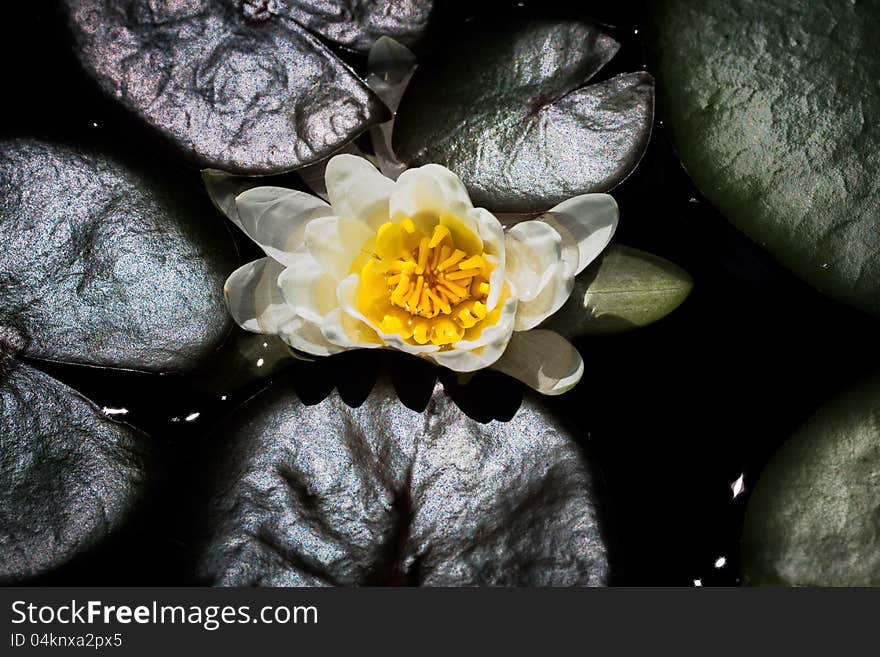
670,415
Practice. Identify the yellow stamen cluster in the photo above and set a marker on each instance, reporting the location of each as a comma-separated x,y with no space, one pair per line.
426,287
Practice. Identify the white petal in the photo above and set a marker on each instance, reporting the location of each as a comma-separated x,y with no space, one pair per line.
543,360
335,242
459,360
533,250
357,190
308,290
543,278
496,283
471,355
222,189
346,293
491,232
307,336
497,334
342,329
390,67
509,219
276,218
552,297
431,189
314,175
255,300
586,224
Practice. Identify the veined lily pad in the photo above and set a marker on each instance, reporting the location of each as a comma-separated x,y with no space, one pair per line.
241,86
358,24
507,109
381,494
770,107
622,290
68,475
814,517
105,264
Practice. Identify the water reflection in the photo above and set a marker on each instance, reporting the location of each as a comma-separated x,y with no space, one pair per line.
738,486
114,411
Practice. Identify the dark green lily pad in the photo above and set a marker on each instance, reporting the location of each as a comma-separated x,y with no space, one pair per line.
381,494
68,475
771,108
507,109
106,264
814,517
622,289
239,86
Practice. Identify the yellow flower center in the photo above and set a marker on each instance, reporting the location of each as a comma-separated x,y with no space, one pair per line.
426,281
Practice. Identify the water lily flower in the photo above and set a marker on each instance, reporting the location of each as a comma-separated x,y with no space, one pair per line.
412,265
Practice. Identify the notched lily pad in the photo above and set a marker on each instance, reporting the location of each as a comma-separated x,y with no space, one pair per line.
814,517
771,108
623,289
240,86
68,475
105,264
507,109
381,494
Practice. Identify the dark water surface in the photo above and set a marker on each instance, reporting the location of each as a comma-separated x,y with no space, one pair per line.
671,415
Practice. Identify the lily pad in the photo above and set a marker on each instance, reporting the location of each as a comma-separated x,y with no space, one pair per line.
622,289
68,475
106,264
239,86
380,494
770,107
358,24
507,109
814,517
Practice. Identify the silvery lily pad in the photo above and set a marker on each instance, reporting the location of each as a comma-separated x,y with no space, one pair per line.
357,24
103,264
814,517
68,475
510,110
380,494
241,86
106,264
623,289
770,107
